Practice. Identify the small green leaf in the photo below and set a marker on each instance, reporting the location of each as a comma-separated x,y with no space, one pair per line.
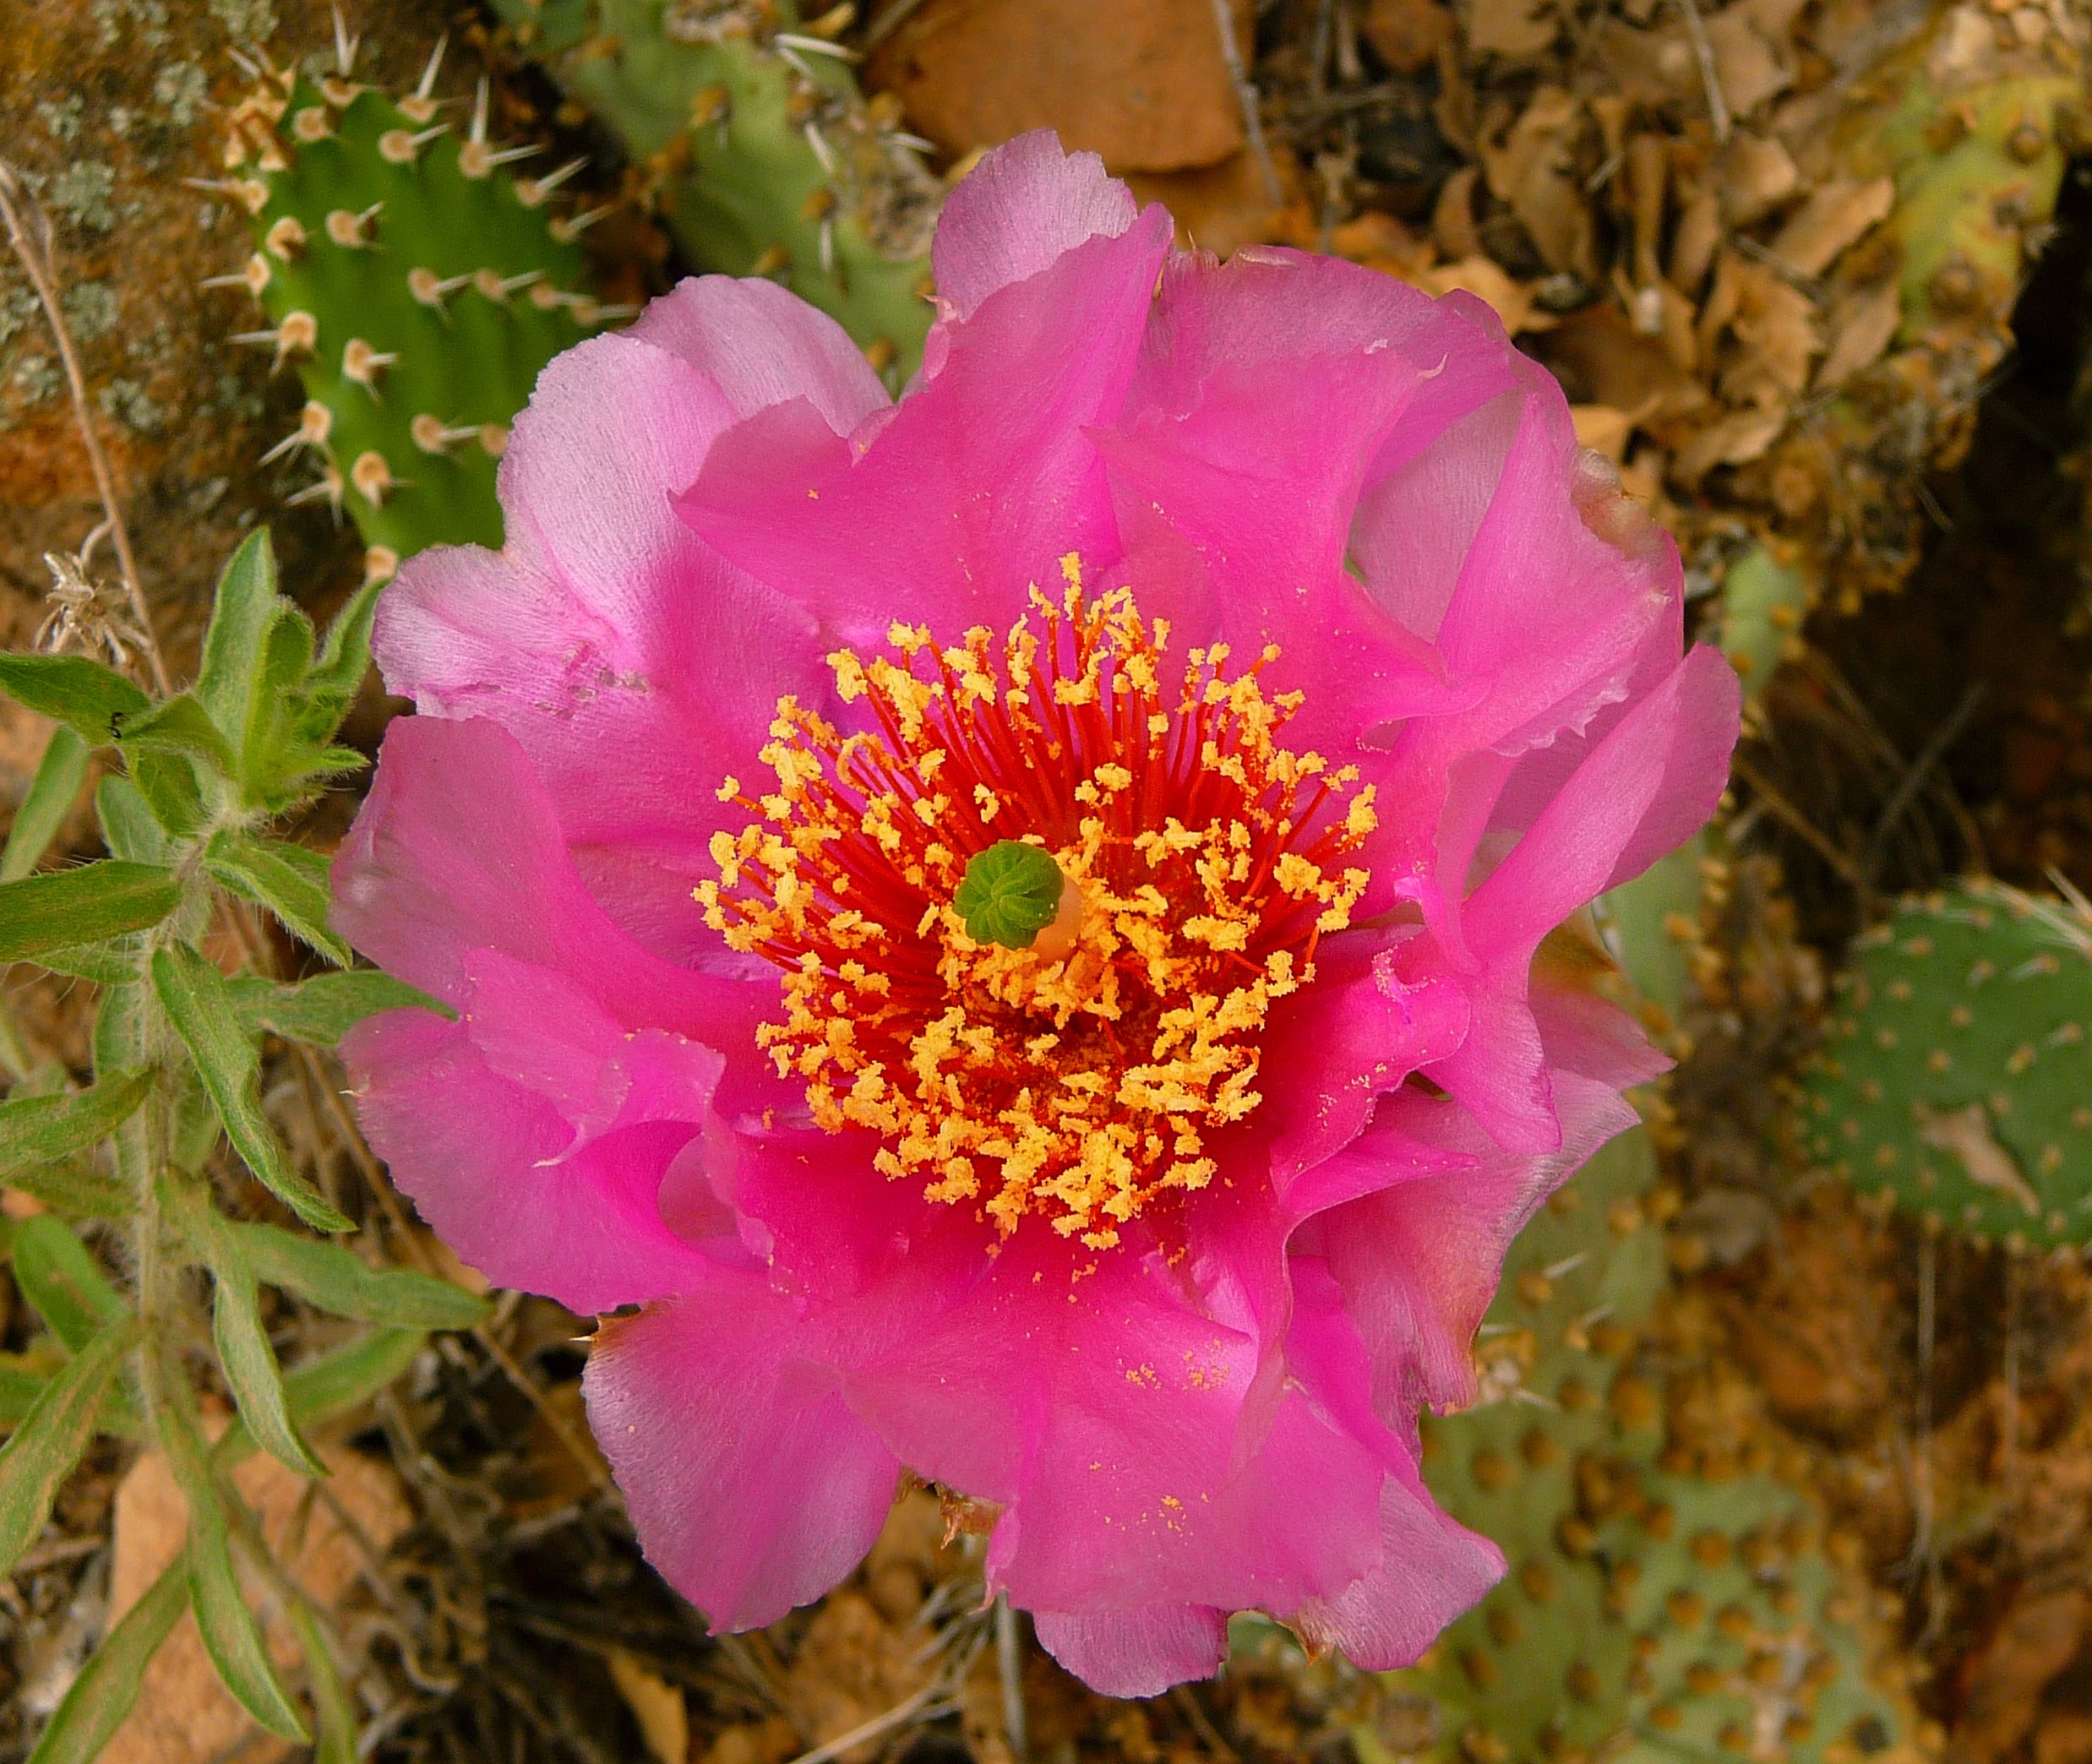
242,611
59,774
180,727
36,1129
87,698
244,1350
74,1187
231,1636
1009,894
288,879
119,1038
64,1282
344,657
330,1382
168,784
330,1696
112,963
195,998
127,823
196,1131
334,1277
107,1686
85,905
40,1453
324,1009
23,1381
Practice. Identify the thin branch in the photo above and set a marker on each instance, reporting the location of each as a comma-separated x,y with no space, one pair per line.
1246,95
28,232
1791,817
1009,1667
1703,53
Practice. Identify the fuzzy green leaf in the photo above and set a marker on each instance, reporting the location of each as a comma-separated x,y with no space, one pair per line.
242,610
182,728
62,1281
39,914
74,1187
107,1686
194,995
106,964
59,774
244,1350
345,657
40,1453
168,784
89,698
36,1129
20,1386
330,1696
128,823
330,1382
324,1009
232,1637
288,879
336,1279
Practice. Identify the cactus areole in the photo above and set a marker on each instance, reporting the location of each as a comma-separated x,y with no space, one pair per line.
1005,921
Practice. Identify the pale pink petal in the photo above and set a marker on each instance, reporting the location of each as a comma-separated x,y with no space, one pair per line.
752,1486
1023,207
1136,1653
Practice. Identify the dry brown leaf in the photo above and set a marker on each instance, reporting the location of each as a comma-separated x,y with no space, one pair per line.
1407,34
1697,237
1533,167
1602,429
1832,218
1485,278
1757,174
1759,331
183,1714
1452,220
664,1718
1749,66
1734,440
1604,361
1141,82
2032,1648
1966,1133
1862,324
1513,27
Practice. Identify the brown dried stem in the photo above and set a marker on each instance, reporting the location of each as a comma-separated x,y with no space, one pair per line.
28,232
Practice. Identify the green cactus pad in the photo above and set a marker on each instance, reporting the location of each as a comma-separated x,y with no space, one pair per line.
752,137
418,288
1955,1073
1648,1612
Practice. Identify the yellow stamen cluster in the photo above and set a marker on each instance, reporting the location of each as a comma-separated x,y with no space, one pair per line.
1077,1086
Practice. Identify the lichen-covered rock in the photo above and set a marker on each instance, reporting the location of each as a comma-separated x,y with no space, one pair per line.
1955,1076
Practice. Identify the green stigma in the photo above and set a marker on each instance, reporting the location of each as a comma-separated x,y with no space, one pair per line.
1009,894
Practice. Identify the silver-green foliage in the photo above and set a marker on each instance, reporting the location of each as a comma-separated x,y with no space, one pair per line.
137,1154
1955,1075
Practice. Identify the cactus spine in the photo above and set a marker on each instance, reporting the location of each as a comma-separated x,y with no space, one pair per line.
417,286
750,132
1955,1077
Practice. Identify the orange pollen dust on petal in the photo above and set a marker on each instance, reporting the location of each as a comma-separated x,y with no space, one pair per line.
1079,1079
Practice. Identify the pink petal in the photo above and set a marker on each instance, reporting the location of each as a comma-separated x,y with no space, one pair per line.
979,483
1136,1653
1022,207
752,1486
1430,1571
604,626
482,1134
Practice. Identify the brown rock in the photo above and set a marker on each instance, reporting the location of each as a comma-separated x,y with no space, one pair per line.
1142,82
184,1715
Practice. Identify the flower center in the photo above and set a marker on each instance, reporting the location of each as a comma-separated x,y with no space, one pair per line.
1031,923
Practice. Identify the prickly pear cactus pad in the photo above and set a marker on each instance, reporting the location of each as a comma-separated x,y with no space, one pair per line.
1647,1606
417,287
1955,1075
747,127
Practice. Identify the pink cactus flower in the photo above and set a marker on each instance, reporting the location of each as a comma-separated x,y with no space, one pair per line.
1003,921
